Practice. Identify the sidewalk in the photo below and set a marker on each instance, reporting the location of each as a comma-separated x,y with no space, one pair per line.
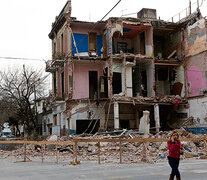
190,169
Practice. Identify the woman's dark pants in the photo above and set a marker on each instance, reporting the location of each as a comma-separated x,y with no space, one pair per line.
174,163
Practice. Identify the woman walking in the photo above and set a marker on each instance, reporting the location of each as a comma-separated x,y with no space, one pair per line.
175,150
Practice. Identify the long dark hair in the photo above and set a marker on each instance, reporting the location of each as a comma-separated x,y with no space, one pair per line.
175,132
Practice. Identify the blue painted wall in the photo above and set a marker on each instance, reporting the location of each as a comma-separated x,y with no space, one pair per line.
99,44
72,131
83,46
197,130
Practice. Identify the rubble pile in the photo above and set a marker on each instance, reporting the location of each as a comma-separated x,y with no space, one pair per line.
138,152
131,152
174,99
189,122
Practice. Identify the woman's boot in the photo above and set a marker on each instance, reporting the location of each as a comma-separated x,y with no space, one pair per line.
171,177
178,178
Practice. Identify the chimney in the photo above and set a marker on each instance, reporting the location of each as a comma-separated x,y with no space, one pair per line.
146,13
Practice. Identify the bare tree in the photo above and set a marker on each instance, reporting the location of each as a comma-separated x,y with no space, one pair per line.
20,87
5,110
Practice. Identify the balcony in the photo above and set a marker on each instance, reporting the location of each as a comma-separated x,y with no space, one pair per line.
59,62
50,67
53,65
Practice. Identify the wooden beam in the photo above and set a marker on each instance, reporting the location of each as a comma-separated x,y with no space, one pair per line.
56,153
171,54
43,151
120,151
99,153
38,142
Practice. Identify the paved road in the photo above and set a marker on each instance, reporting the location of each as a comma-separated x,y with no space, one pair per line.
35,170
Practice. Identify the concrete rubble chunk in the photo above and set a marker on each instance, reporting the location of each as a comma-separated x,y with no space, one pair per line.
163,146
52,138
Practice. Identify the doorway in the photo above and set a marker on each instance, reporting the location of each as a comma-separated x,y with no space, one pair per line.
93,88
87,126
116,83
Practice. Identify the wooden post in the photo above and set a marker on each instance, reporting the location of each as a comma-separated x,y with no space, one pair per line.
56,153
42,149
205,139
75,160
99,153
25,153
144,155
75,152
120,151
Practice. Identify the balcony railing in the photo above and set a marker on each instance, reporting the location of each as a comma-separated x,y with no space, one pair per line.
53,65
50,67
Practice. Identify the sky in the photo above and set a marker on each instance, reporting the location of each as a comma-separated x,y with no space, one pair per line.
25,24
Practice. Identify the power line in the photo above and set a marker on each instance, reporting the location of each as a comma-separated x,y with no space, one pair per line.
25,59
128,14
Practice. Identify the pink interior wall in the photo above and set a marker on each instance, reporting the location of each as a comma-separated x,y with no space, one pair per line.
81,79
196,81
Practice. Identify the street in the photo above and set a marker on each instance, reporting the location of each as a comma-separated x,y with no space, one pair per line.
190,169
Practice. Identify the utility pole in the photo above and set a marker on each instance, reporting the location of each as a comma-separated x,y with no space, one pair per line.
35,101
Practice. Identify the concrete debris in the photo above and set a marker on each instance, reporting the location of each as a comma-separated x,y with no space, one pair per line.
52,138
189,122
172,99
150,152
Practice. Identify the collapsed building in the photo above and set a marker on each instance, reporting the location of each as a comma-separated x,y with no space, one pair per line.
109,74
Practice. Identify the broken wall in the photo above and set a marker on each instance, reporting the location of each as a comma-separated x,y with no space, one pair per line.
55,122
173,42
171,80
198,109
127,116
143,65
81,78
196,58
46,121
167,42
83,41
87,111
180,78
195,38
60,43
62,125
196,74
